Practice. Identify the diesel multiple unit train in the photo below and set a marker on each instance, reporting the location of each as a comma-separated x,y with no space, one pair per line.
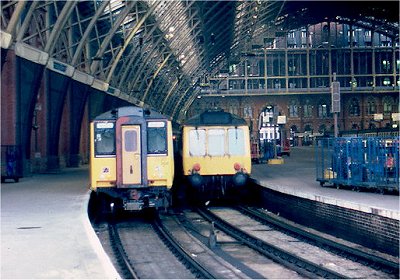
216,153
132,157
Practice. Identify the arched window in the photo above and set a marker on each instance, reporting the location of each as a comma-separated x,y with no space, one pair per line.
308,128
293,109
333,127
387,105
322,128
213,104
307,109
354,107
247,111
323,109
371,106
233,108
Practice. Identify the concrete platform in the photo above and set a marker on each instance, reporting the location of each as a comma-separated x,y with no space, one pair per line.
45,231
297,176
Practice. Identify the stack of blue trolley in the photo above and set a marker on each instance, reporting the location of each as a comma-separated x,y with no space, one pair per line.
359,162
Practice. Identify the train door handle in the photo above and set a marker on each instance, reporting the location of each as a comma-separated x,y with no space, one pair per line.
131,169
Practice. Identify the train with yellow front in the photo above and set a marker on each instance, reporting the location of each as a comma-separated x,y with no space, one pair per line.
131,159
216,153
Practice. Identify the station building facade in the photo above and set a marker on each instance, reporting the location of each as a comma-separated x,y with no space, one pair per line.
294,72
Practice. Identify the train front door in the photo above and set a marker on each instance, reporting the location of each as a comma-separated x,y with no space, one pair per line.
131,155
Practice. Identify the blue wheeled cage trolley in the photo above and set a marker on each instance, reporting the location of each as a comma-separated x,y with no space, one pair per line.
359,162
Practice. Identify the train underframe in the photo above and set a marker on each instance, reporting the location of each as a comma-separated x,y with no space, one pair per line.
133,199
217,186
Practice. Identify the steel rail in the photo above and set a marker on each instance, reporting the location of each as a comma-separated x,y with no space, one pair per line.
377,262
121,255
291,261
200,271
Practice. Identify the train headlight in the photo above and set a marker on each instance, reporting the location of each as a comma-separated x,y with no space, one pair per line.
237,166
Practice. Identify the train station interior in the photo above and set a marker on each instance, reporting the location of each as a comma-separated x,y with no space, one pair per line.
63,63
298,73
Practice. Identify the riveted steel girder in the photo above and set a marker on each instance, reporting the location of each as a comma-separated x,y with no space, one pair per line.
87,32
95,64
159,47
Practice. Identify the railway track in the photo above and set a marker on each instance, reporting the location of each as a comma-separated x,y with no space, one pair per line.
368,257
185,245
140,251
121,256
197,268
309,260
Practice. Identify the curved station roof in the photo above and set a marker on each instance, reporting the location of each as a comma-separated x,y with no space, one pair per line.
152,53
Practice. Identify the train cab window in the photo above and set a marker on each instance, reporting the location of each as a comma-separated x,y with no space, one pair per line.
104,138
157,138
235,141
216,142
197,142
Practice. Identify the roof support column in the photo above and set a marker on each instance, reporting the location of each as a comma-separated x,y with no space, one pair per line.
352,58
77,100
56,90
308,58
28,76
373,60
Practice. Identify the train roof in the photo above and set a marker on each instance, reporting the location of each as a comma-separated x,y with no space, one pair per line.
215,117
130,111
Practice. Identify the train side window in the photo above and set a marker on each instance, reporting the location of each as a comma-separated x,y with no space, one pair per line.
235,141
104,138
157,138
216,142
197,142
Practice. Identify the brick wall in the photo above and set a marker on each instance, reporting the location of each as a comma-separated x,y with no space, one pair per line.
8,100
368,229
